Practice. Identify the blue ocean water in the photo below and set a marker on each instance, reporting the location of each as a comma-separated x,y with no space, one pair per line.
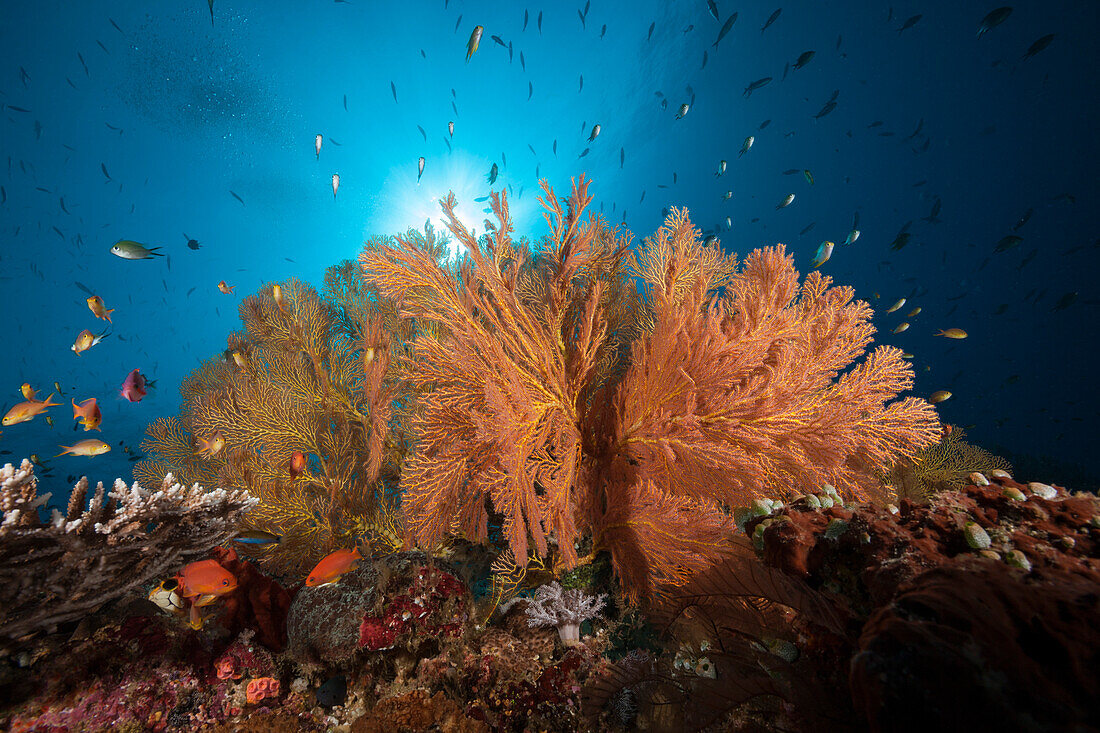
163,122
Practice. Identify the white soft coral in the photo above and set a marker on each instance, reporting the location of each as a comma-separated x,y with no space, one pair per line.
565,609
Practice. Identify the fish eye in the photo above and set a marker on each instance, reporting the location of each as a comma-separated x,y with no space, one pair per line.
170,584
225,582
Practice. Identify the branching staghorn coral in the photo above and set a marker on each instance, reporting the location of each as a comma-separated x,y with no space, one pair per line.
63,569
533,408
305,376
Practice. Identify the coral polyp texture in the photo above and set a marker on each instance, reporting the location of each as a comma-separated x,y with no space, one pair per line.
61,569
569,404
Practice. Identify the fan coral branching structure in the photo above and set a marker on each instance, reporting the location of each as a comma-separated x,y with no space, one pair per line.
307,381
61,570
571,406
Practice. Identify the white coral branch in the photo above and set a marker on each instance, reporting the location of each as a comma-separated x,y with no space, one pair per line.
62,569
565,609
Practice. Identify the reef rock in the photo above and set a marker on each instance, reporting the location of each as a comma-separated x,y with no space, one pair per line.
405,600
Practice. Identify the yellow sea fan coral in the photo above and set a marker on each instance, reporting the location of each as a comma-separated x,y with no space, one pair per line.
943,466
296,380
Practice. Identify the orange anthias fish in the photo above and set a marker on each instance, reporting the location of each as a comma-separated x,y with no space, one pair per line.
952,333
96,304
211,446
86,340
333,566
226,288
89,447
475,39
297,464
28,391
201,583
277,294
89,412
26,411
205,578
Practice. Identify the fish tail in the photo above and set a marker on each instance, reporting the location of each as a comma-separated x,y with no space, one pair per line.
68,449
46,402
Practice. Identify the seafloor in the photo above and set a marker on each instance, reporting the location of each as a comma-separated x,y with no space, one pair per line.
975,611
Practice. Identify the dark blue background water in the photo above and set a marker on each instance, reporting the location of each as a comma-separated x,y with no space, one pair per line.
207,110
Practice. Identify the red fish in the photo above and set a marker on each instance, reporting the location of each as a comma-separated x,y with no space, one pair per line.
333,566
133,388
204,578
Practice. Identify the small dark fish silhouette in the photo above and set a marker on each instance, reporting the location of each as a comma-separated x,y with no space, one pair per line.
83,287
910,23
771,19
211,4
418,127
493,174
581,87
83,64
530,90
583,153
803,59
829,107
393,88
522,64
993,19
191,243
704,61
116,26
725,29
13,108
1038,46
622,156
524,20
713,8
238,198
651,27
458,23
345,103
540,23
499,41
756,85
103,47
103,167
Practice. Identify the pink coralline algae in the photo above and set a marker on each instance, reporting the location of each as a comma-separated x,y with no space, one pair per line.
261,688
243,657
433,606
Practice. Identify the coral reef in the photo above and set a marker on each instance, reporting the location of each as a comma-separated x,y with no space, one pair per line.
61,570
297,380
568,404
891,618
139,672
259,603
416,711
401,602
942,466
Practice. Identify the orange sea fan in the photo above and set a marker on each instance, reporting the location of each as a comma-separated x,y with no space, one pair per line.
570,415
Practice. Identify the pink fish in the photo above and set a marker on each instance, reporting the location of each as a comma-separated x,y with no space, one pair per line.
133,388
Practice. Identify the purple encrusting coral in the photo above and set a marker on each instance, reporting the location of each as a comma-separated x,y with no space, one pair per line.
565,609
